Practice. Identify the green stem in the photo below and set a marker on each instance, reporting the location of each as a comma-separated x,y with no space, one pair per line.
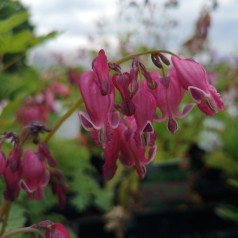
131,56
8,64
21,231
62,119
4,213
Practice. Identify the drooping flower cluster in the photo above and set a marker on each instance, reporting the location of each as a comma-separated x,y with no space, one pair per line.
38,107
28,169
125,130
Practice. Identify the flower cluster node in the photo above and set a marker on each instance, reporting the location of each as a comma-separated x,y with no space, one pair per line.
30,170
10,136
124,129
114,66
33,130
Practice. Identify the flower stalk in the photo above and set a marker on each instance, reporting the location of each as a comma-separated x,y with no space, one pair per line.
63,119
134,55
4,214
22,231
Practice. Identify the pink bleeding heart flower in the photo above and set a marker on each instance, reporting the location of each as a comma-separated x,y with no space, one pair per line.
44,152
12,173
101,70
2,163
57,230
193,77
112,152
169,95
100,117
59,186
124,85
145,107
35,175
60,89
124,147
31,111
131,154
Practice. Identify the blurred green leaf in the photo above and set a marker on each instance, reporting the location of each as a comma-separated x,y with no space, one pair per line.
229,212
15,43
21,84
74,160
21,42
16,217
13,21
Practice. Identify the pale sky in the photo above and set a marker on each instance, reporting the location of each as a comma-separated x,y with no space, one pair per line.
75,19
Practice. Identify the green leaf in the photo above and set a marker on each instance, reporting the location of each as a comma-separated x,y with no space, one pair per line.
230,213
13,21
16,217
15,43
40,39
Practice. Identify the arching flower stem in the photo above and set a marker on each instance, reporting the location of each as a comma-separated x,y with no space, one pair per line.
71,110
21,231
132,56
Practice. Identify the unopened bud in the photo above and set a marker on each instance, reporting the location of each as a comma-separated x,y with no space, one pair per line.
135,64
43,224
150,82
156,61
164,59
114,66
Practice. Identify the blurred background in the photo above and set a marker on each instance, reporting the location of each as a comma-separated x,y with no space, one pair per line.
191,188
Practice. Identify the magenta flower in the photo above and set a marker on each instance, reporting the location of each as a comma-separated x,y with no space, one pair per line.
168,96
193,77
35,175
124,85
31,111
101,72
2,163
112,152
44,153
60,89
124,147
13,173
132,154
59,186
145,106
100,116
57,230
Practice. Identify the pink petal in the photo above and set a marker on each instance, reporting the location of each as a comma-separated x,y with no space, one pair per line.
188,108
197,94
86,122
172,125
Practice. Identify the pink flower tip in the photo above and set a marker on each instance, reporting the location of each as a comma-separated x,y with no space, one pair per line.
57,230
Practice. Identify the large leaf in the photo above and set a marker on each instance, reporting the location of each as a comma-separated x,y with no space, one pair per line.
13,21
16,217
15,43
21,42
228,212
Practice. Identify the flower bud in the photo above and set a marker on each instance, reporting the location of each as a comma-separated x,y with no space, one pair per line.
164,59
156,61
150,82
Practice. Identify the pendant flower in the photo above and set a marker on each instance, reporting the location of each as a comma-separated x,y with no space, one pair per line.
124,147
169,95
100,117
193,77
12,173
101,71
145,106
35,175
